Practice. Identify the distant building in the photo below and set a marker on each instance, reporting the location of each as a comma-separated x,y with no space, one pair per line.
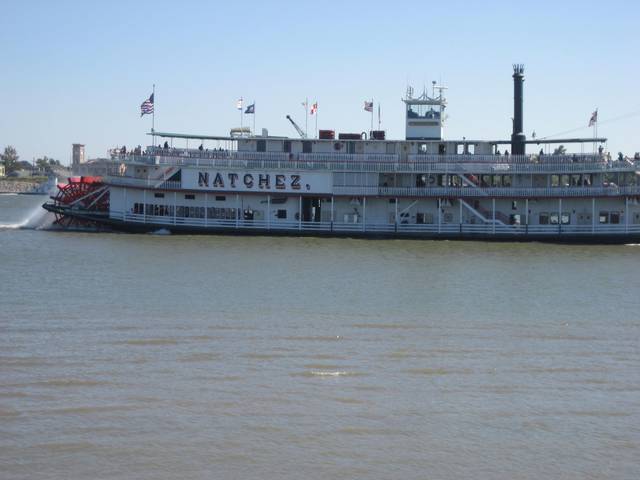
77,156
1,170
97,167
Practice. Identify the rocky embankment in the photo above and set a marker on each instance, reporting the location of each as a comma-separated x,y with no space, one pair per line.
11,186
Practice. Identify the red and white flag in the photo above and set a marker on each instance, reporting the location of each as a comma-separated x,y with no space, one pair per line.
594,118
239,104
368,106
314,108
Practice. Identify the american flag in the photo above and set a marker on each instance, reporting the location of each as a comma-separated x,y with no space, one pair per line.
368,106
147,106
239,104
314,108
594,118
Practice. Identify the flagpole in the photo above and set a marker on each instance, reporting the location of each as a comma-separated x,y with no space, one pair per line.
371,117
254,118
378,115
241,105
153,117
306,117
315,112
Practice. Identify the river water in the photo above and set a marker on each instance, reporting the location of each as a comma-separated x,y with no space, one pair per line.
163,357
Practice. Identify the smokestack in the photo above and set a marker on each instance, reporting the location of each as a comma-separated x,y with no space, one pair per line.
518,137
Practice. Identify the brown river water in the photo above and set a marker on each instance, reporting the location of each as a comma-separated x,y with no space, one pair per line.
162,357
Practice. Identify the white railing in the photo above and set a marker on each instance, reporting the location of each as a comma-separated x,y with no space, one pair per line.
451,229
476,164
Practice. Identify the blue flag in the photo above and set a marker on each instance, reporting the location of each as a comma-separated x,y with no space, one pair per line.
251,108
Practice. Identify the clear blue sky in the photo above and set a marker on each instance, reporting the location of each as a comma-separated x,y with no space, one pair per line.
77,71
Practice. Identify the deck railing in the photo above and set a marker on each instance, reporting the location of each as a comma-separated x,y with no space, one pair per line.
449,229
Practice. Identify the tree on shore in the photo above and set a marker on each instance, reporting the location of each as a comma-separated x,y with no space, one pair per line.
47,164
9,159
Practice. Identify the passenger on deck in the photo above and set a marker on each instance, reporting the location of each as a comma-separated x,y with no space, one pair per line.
506,153
541,152
123,149
201,147
166,145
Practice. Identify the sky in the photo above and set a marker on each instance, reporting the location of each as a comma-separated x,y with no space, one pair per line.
77,71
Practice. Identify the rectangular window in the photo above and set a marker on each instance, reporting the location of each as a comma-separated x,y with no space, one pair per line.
306,146
604,217
554,219
261,146
555,181
565,218
158,195
420,218
286,146
189,196
220,198
514,219
282,214
514,205
614,217
544,219
392,200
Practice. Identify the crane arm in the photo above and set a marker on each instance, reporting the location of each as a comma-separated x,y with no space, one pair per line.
298,129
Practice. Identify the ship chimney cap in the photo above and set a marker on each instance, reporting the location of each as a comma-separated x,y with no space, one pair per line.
518,69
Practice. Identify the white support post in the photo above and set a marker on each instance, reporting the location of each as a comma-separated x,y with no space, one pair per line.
175,207
268,211
593,215
626,214
300,212
396,216
124,202
560,215
493,215
332,220
364,214
237,210
439,204
206,195
144,203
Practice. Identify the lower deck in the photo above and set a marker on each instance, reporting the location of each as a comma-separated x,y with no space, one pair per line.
371,216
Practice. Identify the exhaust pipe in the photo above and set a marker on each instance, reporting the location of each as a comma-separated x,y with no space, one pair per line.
518,137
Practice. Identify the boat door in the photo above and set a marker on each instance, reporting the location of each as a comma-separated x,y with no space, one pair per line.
311,208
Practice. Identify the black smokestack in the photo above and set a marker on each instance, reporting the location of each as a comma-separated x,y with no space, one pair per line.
518,137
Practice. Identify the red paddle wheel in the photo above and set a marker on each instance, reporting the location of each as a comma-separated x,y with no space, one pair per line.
80,195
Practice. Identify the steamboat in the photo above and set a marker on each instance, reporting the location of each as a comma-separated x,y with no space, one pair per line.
360,185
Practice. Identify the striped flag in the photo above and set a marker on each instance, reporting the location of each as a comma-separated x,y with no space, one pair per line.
368,106
147,106
594,118
239,104
314,108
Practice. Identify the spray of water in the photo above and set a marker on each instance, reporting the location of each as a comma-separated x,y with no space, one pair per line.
37,219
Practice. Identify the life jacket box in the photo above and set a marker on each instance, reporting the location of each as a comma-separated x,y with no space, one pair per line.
327,134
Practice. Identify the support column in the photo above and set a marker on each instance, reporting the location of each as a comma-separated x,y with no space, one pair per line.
237,210
175,206
493,215
626,214
460,219
300,212
364,214
559,215
268,212
206,213
526,212
124,202
439,204
396,216
332,213
593,215
144,203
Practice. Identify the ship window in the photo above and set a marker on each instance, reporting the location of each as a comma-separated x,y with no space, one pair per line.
421,180
391,148
158,195
189,196
575,180
553,219
614,217
555,181
392,200
286,146
514,219
306,146
604,217
220,198
514,205
506,180
564,180
420,218
565,218
281,214
544,219
261,146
